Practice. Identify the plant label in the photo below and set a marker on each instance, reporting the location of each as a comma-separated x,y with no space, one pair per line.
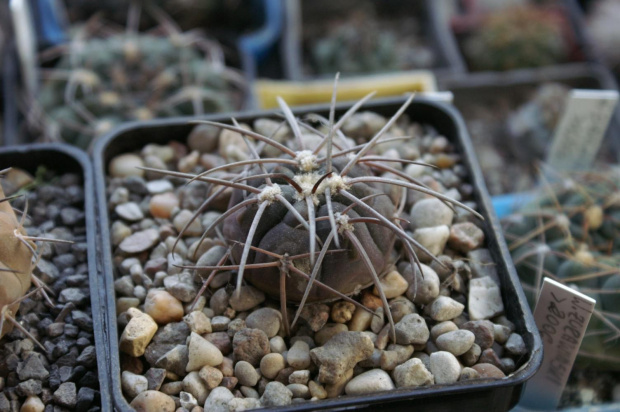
581,129
562,315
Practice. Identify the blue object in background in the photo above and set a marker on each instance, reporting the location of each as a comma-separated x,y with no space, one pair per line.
50,22
508,204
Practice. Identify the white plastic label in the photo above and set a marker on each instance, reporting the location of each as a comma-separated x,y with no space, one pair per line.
562,315
581,129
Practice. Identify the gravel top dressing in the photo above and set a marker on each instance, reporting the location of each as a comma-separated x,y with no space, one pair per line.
194,333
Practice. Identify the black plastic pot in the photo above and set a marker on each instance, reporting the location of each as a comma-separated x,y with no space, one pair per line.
493,395
63,158
448,59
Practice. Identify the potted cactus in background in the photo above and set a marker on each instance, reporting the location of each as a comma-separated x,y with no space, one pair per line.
571,233
105,76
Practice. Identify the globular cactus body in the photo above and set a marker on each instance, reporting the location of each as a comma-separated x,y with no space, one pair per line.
571,233
16,264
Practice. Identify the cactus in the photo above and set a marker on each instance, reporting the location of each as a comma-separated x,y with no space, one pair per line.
517,37
571,233
362,44
104,79
312,224
17,260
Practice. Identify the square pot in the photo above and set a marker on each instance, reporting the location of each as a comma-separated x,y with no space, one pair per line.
61,158
494,394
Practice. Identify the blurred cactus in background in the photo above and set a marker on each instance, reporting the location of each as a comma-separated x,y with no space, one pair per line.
106,76
516,38
365,38
571,233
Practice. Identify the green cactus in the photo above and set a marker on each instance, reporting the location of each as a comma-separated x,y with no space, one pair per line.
517,37
102,81
571,233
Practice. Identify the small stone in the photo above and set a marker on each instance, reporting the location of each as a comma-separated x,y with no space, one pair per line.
201,353
172,388
243,404
328,331
412,329
193,384
444,308
445,367
298,355
412,373
155,377
175,360
434,239
277,344
388,359
272,363
361,320
393,285
32,404
31,387
246,373
456,342
486,370
276,394
483,330
471,357
301,377
482,264
220,323
248,298
336,388
465,237
139,242
162,307
374,380
317,390
342,311
250,345
66,395
138,333
249,392
158,186
221,340
266,319
468,374
299,391
378,321
211,376
441,328
316,315
188,401
501,333
126,165
183,218
162,205
129,211
153,401
515,345
32,368
198,322
426,285
282,377
73,295
491,356
218,400
400,307
133,384
508,365
431,212
485,299
340,354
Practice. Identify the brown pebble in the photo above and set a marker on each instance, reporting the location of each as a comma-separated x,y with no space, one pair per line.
162,205
489,356
486,370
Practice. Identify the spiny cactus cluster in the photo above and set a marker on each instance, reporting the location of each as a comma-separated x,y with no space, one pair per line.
316,223
517,37
362,43
571,233
103,80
